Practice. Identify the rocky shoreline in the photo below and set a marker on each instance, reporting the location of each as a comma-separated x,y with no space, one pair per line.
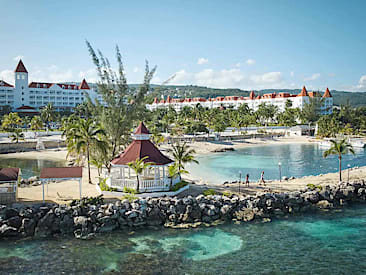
85,219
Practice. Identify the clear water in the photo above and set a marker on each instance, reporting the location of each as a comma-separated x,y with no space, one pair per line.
30,167
325,243
297,160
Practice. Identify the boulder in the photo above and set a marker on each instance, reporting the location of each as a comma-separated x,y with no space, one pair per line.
8,231
15,222
10,212
324,204
245,215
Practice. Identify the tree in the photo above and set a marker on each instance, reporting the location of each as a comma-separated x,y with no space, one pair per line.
82,136
173,171
139,165
11,121
124,106
48,115
339,148
17,135
310,113
36,123
182,154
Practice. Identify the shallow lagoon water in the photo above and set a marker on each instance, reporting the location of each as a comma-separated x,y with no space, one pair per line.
30,167
297,160
326,243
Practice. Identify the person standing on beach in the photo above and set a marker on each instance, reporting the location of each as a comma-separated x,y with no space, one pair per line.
262,179
247,180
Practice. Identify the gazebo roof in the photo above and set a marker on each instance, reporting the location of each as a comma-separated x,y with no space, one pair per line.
9,174
141,129
139,149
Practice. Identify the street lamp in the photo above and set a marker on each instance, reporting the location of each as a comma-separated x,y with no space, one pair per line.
348,165
279,168
239,180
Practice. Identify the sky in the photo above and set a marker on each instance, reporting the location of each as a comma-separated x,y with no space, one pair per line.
223,44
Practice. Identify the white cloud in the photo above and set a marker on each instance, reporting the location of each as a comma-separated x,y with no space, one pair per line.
292,74
17,58
250,61
237,65
267,78
312,77
202,60
362,83
136,69
229,78
7,76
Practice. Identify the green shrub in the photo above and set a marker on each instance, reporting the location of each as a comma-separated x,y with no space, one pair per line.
209,192
88,201
312,187
227,194
129,197
129,190
104,186
178,186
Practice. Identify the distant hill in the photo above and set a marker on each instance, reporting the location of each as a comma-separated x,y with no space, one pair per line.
355,99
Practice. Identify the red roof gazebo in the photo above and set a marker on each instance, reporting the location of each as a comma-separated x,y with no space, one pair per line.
152,179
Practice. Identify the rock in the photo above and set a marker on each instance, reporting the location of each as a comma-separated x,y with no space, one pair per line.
223,149
28,226
10,212
80,222
246,215
15,222
8,231
32,179
324,204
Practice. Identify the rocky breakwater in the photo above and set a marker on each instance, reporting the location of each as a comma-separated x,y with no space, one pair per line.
84,220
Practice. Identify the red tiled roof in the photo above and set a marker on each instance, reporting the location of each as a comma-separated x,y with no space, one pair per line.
327,93
62,172
21,68
26,108
40,85
5,84
141,129
252,95
9,174
304,92
155,100
139,149
312,94
84,85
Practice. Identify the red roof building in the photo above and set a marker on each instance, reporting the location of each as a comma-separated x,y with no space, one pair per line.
5,84
84,85
304,92
327,93
21,68
252,95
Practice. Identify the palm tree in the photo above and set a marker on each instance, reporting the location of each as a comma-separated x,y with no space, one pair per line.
11,121
36,123
339,148
173,171
48,114
82,136
17,135
139,165
182,154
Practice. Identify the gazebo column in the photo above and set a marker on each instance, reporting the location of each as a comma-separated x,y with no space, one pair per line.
123,172
129,172
164,172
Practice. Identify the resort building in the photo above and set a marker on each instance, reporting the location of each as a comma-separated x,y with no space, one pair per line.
33,96
253,101
153,179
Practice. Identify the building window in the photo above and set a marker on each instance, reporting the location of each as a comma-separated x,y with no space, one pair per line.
18,76
22,93
23,77
22,99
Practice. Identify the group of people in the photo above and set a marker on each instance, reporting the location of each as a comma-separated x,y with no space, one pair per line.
261,181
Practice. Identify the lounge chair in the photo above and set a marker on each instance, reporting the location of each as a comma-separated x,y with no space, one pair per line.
64,198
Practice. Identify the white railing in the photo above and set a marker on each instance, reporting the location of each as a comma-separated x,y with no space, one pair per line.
146,185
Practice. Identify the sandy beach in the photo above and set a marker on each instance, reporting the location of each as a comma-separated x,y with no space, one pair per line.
60,191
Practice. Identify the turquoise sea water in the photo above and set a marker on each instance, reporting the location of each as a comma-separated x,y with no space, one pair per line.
297,160
30,167
325,243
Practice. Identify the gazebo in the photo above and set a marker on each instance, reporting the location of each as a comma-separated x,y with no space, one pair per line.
153,179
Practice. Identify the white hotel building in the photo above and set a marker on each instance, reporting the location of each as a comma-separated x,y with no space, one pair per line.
253,101
30,97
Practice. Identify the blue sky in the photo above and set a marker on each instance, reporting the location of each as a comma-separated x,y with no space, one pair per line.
226,44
